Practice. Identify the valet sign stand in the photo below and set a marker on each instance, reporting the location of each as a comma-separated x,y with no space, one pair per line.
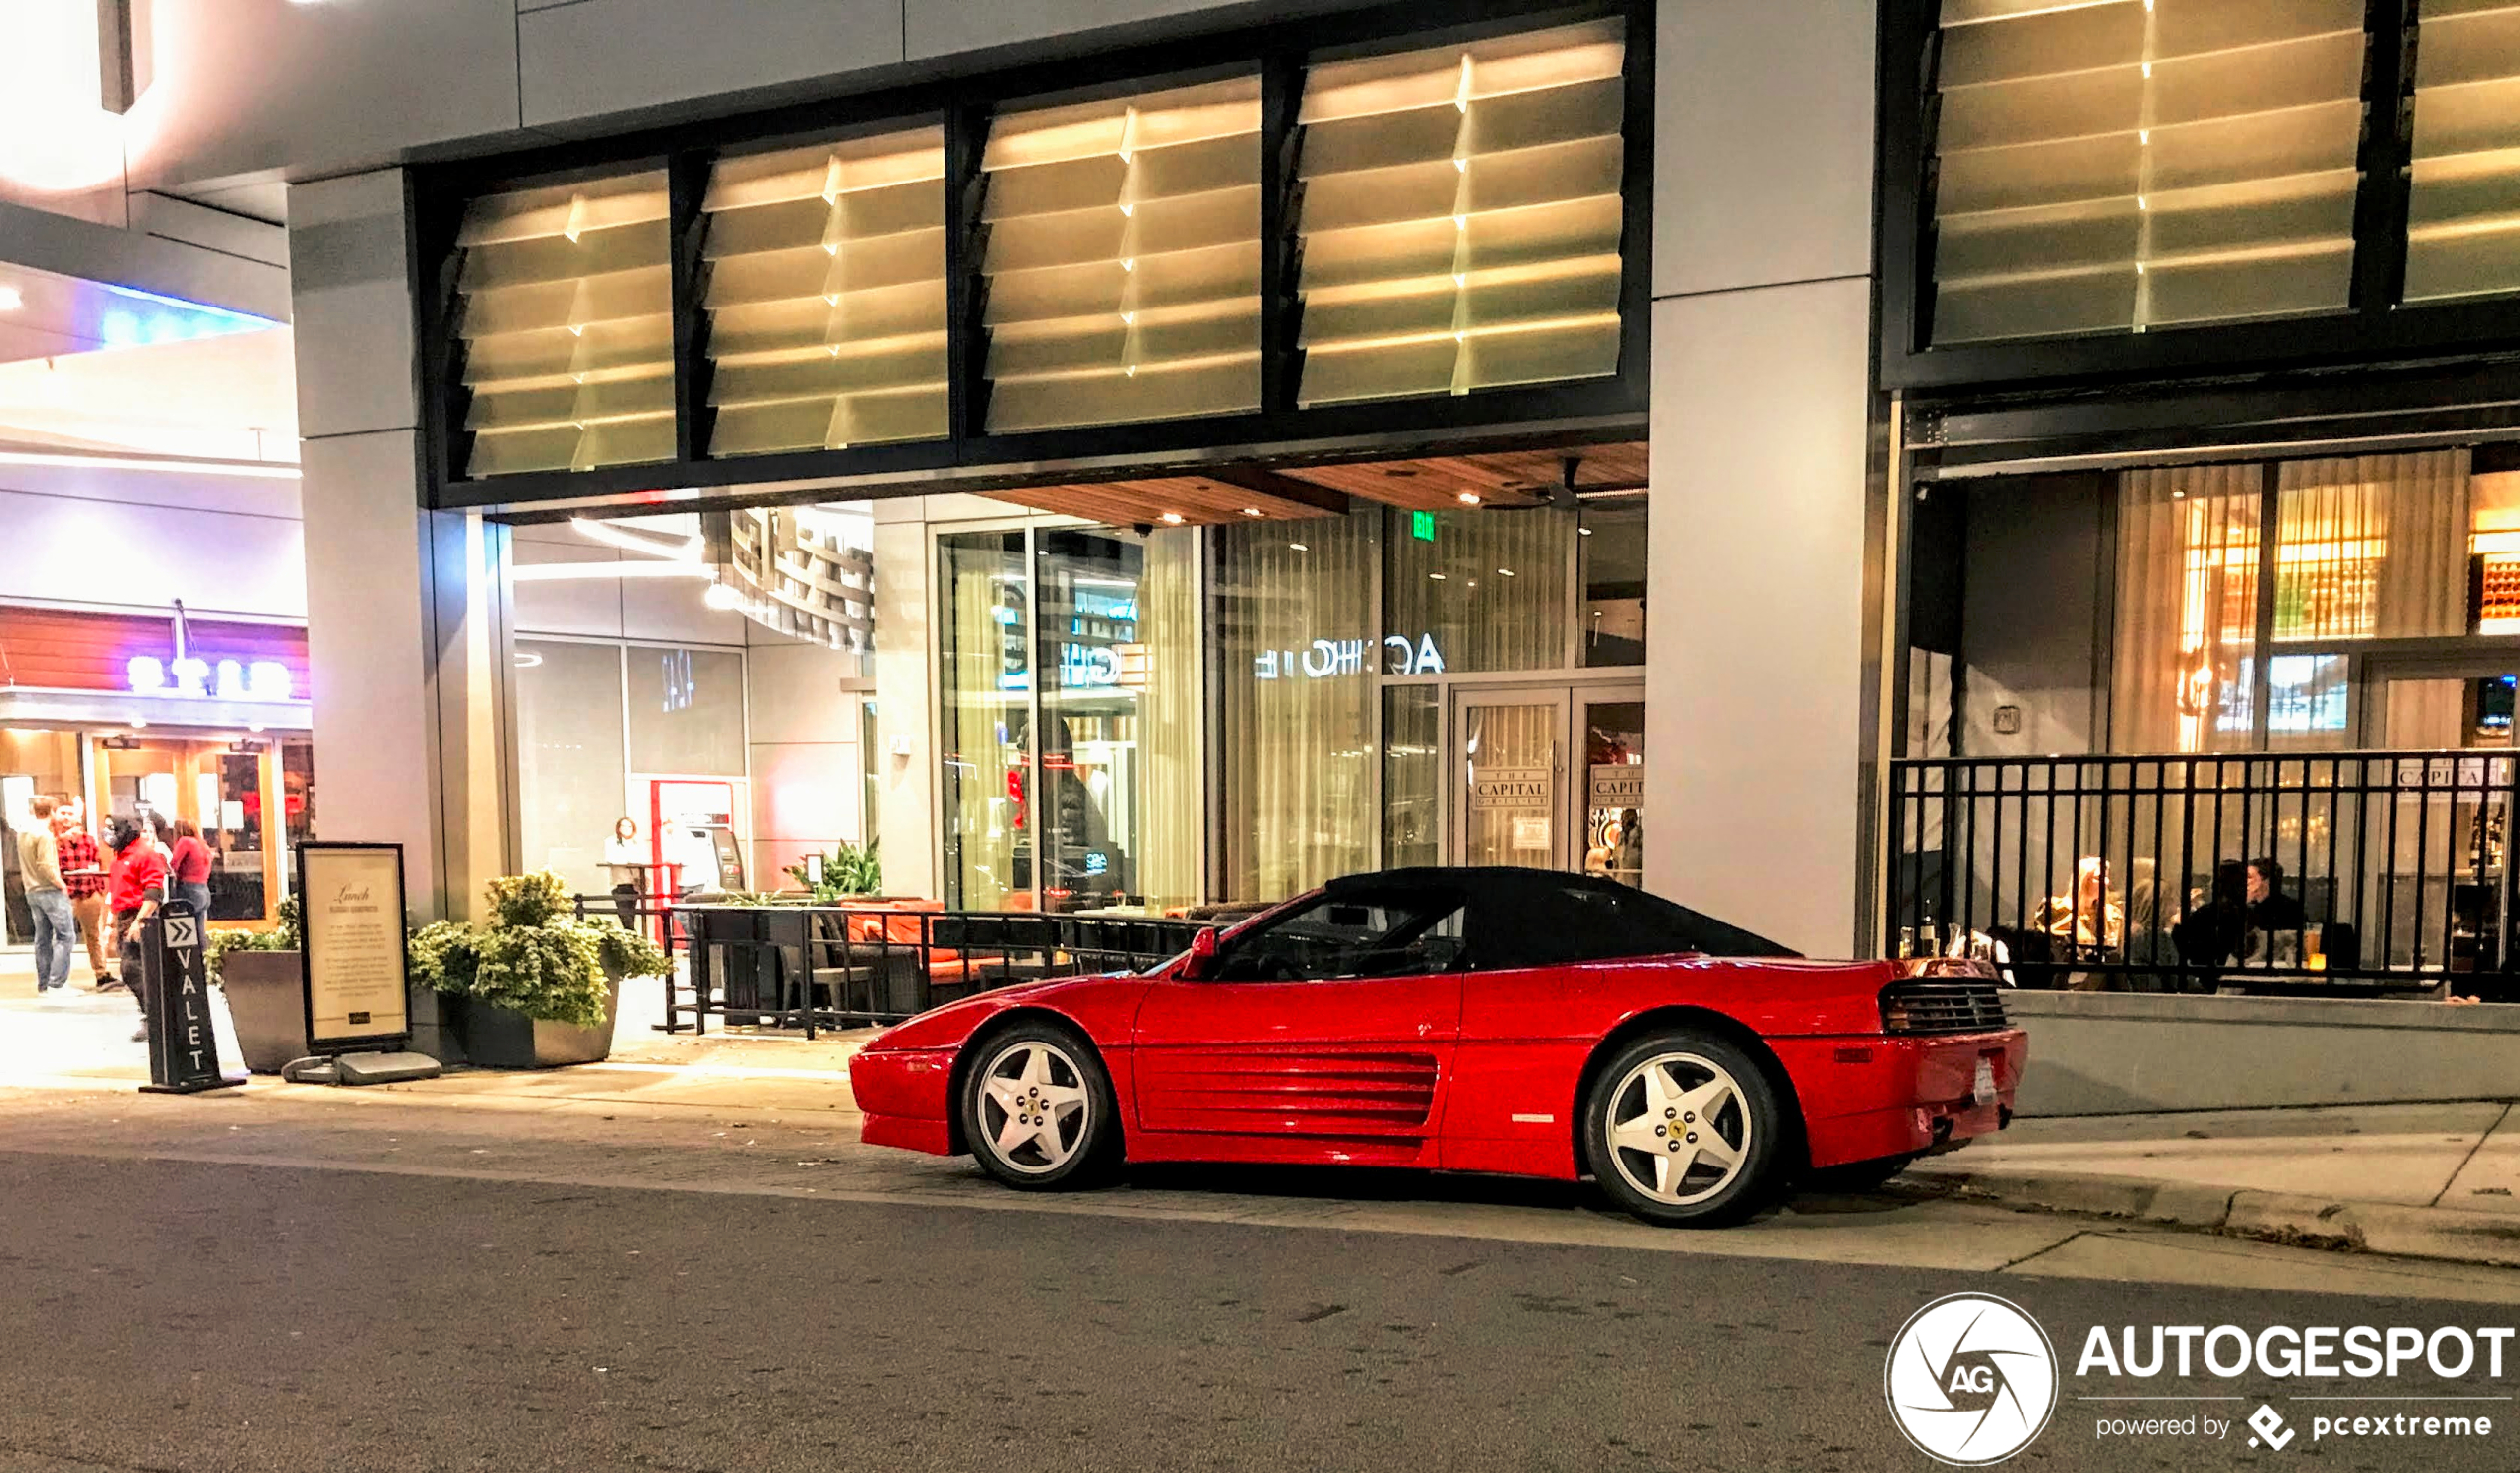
182,1045
354,971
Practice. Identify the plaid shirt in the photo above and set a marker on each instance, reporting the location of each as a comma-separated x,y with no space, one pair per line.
79,852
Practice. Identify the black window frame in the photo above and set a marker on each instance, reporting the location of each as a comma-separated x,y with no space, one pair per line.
2375,326
969,458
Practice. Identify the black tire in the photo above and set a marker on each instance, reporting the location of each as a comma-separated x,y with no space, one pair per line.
1856,1175
1064,1148
1748,1119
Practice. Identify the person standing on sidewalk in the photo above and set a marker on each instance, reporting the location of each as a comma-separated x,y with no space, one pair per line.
189,867
139,883
83,874
55,929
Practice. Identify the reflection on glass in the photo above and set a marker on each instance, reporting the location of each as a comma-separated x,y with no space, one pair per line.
2307,701
1295,638
1412,774
1614,790
870,761
985,722
1477,589
1611,547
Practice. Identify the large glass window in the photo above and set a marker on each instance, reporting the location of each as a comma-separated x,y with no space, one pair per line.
2123,164
1612,544
569,777
985,724
1479,589
1460,215
1412,774
686,711
566,322
1123,259
827,295
1104,621
1296,641
2463,188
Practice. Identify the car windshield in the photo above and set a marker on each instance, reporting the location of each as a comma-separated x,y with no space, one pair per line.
1350,936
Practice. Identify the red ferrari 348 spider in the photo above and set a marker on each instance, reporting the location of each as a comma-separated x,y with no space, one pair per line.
1511,1021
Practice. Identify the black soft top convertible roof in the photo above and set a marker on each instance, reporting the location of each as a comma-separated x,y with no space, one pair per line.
1530,916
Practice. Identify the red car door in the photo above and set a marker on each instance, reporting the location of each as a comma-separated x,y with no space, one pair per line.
1325,1034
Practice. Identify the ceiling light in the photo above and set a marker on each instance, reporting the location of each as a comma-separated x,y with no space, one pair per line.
10,300
719,597
1439,577
1504,572
1171,519
140,721
1298,548
1253,511
1584,531
1468,498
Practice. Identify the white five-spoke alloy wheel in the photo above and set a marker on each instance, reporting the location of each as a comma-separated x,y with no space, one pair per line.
1686,1127
1678,1130
1037,1108
1034,1108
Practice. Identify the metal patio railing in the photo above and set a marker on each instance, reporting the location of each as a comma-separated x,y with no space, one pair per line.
815,967
2129,872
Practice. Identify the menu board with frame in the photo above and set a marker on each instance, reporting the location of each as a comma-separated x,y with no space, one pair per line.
355,966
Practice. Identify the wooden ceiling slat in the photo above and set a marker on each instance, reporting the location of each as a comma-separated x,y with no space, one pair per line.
1431,484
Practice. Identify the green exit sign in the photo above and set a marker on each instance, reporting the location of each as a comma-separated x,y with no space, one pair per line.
1422,526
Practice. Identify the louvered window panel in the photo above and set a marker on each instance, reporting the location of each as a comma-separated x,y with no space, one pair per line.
2463,199
827,295
1123,259
1460,216
2124,164
567,323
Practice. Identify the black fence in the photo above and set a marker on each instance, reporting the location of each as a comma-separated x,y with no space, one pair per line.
2376,871
817,968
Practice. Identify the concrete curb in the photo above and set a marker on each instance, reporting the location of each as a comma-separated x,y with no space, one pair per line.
2443,1233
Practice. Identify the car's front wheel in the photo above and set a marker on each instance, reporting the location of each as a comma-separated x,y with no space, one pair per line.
1682,1129
1038,1108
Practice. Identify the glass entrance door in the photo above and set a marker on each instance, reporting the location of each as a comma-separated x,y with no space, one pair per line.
1550,776
1511,798
2430,704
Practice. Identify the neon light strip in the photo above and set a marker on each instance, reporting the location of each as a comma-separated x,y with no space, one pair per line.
192,307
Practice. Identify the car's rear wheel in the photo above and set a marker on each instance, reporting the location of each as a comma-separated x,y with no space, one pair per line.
1038,1108
1682,1129
1856,1175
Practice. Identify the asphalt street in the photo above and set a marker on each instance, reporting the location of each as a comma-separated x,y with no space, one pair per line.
361,1297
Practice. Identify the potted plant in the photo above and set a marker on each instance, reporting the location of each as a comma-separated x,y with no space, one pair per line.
260,971
850,870
536,986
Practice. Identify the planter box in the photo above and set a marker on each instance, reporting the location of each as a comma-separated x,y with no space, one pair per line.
495,1037
266,996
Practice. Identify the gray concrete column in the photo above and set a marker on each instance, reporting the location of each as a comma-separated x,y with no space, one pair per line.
1756,698
405,608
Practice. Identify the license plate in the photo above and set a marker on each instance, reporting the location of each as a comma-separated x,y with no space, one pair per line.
1983,1089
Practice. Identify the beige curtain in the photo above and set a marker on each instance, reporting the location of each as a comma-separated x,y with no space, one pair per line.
2376,547
2187,599
1174,811
1297,648
1489,588
984,724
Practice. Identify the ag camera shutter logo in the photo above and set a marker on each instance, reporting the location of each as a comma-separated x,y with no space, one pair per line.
1971,1380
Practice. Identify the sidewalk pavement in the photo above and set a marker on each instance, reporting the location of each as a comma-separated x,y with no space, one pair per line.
2440,1182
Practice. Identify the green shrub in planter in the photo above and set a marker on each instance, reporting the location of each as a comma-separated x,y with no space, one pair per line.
848,870
288,936
534,956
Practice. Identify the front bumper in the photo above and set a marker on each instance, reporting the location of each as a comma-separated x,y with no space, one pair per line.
1880,1095
906,1095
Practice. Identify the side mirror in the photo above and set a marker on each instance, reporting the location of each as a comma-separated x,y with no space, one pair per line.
1200,964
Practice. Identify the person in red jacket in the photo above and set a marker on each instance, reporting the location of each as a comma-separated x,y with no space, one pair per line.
133,891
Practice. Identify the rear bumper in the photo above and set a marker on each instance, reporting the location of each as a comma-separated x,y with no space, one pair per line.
1883,1095
906,1095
